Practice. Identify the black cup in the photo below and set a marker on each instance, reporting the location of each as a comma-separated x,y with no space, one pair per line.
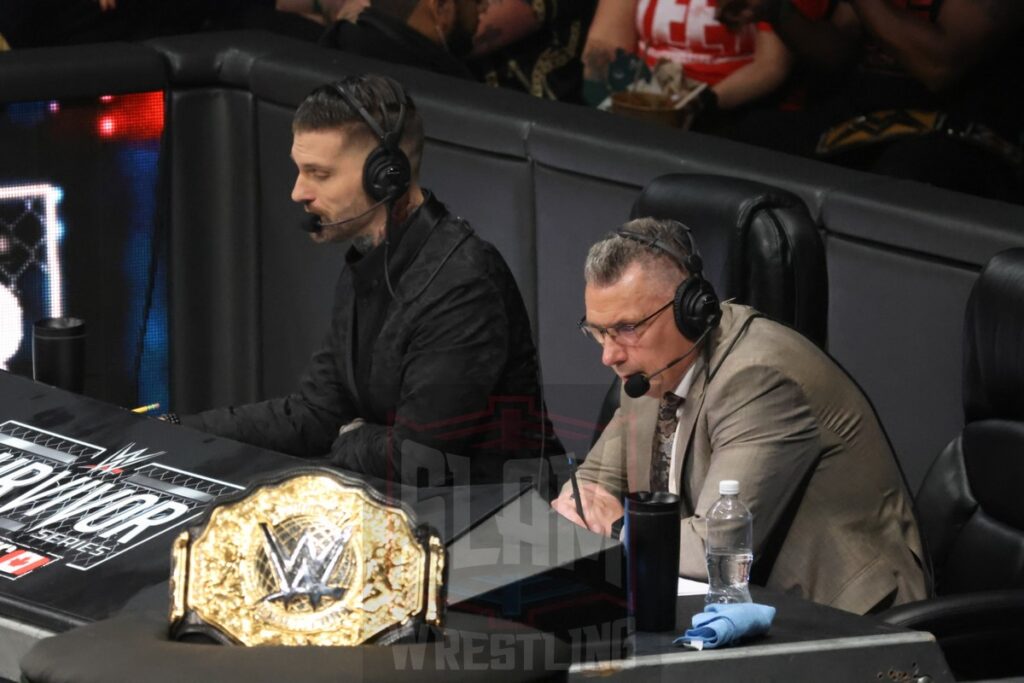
651,535
58,352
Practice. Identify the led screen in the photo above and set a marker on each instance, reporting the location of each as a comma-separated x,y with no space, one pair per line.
80,235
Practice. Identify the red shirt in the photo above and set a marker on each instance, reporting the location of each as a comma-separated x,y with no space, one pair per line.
685,32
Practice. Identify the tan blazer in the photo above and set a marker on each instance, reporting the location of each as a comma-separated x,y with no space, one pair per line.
769,409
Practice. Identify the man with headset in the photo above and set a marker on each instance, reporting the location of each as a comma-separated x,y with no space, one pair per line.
429,334
716,391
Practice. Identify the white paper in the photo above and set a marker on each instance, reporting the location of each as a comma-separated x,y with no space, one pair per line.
691,587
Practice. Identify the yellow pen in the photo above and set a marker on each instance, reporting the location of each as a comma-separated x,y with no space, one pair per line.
146,409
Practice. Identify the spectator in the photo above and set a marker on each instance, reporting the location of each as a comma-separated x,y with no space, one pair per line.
933,89
533,47
302,19
740,66
431,34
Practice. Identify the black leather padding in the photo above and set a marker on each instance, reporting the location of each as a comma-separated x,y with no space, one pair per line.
969,504
970,509
944,504
985,550
995,469
136,647
980,633
994,341
759,243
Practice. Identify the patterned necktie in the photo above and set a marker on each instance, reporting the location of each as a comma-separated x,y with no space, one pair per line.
664,436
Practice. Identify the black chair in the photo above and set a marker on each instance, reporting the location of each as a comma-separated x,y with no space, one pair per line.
759,244
969,503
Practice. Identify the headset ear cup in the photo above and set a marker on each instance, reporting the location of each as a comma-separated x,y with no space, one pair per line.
386,174
696,307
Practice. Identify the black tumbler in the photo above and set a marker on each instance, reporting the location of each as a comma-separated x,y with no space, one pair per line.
58,352
651,535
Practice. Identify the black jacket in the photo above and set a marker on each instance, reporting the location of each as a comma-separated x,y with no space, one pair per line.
451,366
379,36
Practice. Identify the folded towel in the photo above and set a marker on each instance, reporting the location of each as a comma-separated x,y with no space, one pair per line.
721,624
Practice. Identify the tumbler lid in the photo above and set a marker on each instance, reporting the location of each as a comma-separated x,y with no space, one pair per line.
59,327
646,501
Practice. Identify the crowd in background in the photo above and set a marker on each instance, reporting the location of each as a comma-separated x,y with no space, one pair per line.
929,90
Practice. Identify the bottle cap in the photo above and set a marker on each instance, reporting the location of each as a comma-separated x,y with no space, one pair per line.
728,487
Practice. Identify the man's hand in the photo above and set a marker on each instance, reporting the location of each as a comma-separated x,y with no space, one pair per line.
600,508
351,426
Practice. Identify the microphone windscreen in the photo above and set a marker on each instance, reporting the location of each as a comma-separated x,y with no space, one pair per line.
637,385
311,223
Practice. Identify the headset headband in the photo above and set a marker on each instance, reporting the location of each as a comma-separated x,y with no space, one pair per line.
388,139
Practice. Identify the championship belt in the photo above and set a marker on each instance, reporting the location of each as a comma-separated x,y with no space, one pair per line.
311,557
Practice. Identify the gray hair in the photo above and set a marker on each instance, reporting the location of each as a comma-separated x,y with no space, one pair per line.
608,259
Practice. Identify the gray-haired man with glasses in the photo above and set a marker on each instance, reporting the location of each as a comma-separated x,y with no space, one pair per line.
717,392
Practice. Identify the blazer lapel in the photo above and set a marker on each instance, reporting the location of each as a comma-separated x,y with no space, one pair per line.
684,433
692,464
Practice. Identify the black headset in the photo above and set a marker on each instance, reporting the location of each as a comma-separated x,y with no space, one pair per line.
696,307
386,173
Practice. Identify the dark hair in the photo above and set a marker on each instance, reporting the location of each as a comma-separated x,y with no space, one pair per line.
326,109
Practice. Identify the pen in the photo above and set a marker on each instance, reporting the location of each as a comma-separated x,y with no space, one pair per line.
575,487
146,408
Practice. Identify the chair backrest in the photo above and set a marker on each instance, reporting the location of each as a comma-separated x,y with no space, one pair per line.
969,501
759,245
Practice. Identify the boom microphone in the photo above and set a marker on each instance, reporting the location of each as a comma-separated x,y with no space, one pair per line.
638,383
315,225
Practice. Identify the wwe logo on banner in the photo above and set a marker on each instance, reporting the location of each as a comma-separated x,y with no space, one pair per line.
125,458
304,572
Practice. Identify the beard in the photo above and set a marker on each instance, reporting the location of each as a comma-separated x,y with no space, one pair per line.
342,229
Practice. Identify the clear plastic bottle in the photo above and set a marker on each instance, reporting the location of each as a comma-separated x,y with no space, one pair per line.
729,546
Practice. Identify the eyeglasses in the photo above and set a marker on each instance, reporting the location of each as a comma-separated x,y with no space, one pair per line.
627,334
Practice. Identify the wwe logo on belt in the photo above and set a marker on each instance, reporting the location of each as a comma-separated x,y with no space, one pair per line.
305,572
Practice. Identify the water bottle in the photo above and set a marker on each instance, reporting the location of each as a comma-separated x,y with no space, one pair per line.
729,546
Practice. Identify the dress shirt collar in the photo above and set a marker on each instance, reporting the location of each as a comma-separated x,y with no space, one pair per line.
685,383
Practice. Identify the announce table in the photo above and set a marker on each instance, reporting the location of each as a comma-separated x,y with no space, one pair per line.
91,496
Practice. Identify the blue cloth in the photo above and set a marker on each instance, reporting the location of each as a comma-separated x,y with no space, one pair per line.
721,624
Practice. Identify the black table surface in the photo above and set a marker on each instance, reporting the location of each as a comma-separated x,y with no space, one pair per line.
796,620
806,641
78,434
73,587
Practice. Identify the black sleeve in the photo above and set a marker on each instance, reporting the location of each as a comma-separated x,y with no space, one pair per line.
456,356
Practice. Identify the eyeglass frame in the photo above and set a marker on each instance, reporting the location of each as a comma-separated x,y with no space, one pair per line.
613,332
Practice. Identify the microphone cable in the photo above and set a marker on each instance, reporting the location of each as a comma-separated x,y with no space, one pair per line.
387,255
